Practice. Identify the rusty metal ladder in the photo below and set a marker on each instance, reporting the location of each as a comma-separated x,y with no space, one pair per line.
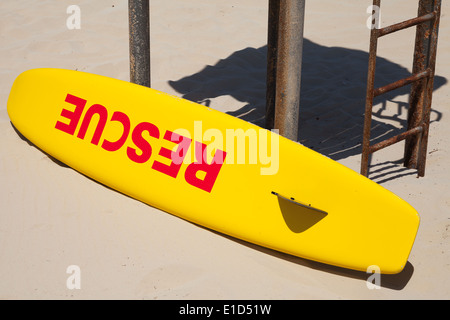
421,81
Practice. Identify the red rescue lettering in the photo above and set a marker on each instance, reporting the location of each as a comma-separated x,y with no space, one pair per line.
210,171
199,174
141,143
176,157
125,121
73,116
103,117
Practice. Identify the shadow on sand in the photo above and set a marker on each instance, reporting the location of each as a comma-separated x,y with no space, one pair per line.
395,282
331,117
332,99
332,95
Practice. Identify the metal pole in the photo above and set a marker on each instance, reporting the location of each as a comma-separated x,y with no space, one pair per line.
369,98
272,43
420,99
288,67
417,96
139,33
429,89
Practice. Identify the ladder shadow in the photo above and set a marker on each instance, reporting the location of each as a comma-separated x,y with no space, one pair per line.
389,170
332,95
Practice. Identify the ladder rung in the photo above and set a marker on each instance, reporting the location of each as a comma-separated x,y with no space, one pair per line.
401,83
397,138
406,24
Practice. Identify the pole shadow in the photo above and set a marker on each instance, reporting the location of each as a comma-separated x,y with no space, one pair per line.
332,100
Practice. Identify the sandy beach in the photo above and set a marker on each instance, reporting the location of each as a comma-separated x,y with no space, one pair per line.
214,53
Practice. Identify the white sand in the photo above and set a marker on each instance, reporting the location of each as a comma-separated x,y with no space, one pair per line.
212,52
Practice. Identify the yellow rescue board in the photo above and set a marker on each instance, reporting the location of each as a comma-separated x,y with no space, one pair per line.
187,159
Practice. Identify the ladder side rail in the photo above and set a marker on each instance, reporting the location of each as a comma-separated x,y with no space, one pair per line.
429,90
369,98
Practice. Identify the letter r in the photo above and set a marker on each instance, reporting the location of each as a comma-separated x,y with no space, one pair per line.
211,170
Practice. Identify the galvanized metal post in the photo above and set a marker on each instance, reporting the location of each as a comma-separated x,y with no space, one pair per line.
289,47
139,33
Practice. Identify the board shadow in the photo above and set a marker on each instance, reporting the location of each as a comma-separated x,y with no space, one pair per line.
22,137
291,214
388,281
